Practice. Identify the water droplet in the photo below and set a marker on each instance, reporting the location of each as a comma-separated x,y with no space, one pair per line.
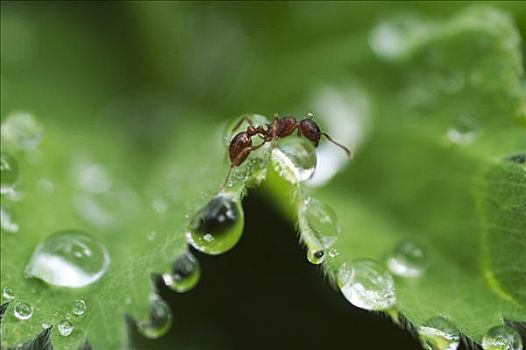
46,185
395,39
159,206
21,131
407,259
79,307
65,328
439,333
23,311
159,321
502,338
319,228
218,226
46,325
151,235
8,293
464,131
69,259
367,285
294,159
91,177
9,173
229,131
7,221
184,275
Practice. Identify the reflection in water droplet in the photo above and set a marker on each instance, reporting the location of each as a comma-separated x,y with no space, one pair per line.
294,159
502,338
65,328
184,275
319,228
439,333
159,321
396,38
8,293
23,311
8,173
7,221
69,259
464,131
407,259
367,285
21,131
79,307
218,226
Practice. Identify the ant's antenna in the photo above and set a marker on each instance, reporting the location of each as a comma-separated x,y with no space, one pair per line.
337,144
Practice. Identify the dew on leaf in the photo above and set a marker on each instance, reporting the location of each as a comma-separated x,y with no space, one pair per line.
158,322
218,226
9,173
502,338
294,159
69,259
7,221
79,307
184,274
464,131
46,325
8,293
439,333
407,259
319,228
65,328
23,311
21,131
366,284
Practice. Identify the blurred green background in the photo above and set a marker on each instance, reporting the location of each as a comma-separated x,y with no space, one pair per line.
139,68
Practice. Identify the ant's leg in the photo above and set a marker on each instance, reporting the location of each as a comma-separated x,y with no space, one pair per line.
239,160
244,119
337,144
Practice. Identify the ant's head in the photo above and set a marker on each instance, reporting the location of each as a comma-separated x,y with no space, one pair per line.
310,130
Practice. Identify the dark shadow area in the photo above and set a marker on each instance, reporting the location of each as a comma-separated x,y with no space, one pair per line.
264,294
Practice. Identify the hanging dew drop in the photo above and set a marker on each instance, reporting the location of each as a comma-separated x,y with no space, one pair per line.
159,321
8,293
65,328
7,221
23,311
69,259
9,173
184,275
319,228
294,159
218,226
79,307
407,259
439,333
502,338
367,285
21,131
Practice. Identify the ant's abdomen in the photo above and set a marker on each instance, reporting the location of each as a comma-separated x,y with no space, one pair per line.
239,144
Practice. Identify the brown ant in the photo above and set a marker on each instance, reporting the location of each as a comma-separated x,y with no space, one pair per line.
241,144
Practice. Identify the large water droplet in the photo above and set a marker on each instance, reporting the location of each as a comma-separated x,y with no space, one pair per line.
242,124
408,259
218,226
159,321
8,293
79,307
23,311
396,38
21,131
65,328
294,159
184,275
439,333
7,221
502,338
9,173
464,131
69,259
367,285
319,228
